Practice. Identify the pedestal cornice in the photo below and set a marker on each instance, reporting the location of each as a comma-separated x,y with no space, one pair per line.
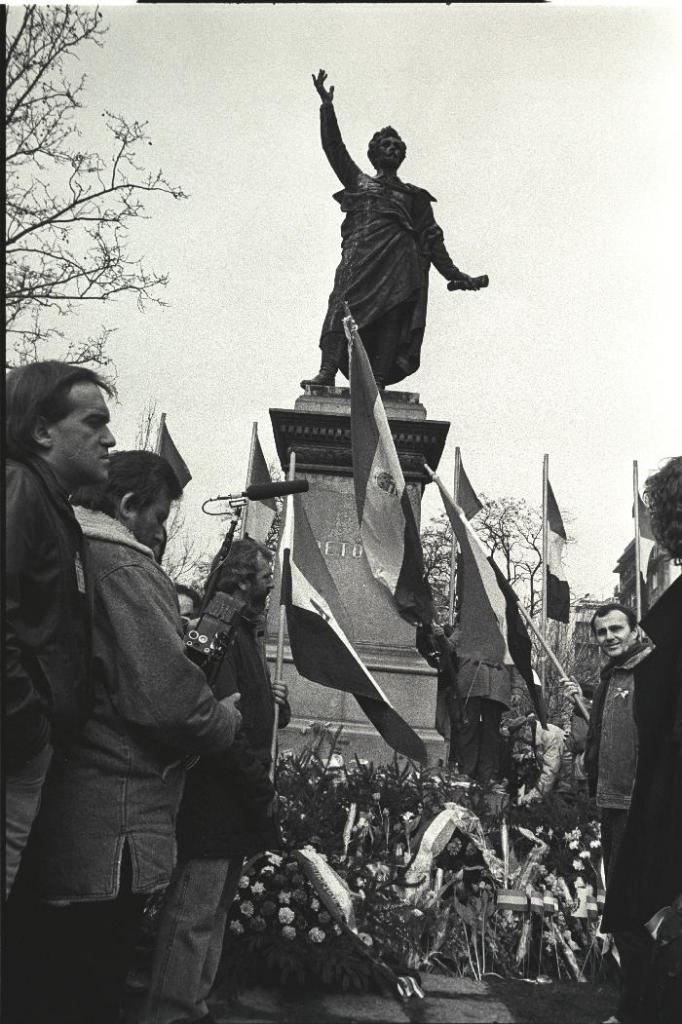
320,437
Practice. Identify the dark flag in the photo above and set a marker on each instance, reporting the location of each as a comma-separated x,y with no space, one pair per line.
490,625
167,450
260,515
320,647
467,497
558,595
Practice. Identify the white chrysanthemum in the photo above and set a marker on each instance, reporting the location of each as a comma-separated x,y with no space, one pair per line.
257,888
288,932
237,927
314,904
574,844
244,882
316,935
286,915
246,908
585,854
275,858
577,864
594,844
284,897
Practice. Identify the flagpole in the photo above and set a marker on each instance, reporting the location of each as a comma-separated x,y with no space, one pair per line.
638,555
545,554
578,701
159,433
249,471
453,552
279,661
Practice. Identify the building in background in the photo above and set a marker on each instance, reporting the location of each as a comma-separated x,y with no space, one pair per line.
656,576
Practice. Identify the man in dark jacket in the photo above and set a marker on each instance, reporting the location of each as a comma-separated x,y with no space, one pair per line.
57,440
104,839
610,762
645,888
228,810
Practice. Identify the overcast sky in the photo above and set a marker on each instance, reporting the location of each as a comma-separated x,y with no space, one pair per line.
550,137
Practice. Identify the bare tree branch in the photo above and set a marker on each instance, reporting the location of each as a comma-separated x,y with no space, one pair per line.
68,210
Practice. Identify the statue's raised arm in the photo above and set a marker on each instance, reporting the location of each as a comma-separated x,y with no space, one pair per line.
326,95
344,167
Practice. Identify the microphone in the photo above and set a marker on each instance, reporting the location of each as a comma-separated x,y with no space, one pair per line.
260,492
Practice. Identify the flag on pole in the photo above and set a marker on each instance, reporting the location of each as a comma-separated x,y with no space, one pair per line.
165,447
468,500
319,643
260,515
388,529
490,627
519,643
647,542
558,595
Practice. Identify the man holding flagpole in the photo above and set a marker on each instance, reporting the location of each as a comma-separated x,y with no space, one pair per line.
228,809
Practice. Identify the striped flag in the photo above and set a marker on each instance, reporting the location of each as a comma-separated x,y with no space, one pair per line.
490,627
259,515
388,529
319,643
558,595
165,447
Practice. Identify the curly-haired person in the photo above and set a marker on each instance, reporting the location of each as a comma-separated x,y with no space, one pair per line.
645,889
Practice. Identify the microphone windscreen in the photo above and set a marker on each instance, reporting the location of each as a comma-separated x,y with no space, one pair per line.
259,492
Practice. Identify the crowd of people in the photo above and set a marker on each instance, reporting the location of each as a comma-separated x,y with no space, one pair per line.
133,767
104,712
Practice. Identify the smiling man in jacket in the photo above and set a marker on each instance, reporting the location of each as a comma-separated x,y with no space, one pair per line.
610,765
105,836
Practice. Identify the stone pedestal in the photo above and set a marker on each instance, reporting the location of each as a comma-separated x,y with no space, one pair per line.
317,429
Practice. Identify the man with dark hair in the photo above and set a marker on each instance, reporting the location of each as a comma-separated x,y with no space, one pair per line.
645,888
389,240
105,836
58,438
610,760
227,811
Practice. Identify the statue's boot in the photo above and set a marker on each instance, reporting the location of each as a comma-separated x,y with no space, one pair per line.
324,378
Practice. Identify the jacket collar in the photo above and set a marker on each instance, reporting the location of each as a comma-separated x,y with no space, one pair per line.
49,478
639,652
100,526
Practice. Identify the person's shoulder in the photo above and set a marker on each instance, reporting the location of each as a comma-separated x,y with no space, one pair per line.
26,494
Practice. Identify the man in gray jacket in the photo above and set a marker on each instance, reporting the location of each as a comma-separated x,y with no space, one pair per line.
610,765
105,837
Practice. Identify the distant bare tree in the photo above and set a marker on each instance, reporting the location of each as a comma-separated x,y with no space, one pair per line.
511,531
69,210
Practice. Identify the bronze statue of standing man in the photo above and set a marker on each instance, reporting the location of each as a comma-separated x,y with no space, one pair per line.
389,239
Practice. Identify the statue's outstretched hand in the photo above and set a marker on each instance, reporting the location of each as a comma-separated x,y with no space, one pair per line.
466,283
326,95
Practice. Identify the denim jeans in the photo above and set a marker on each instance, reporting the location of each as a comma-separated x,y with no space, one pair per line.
23,788
189,940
